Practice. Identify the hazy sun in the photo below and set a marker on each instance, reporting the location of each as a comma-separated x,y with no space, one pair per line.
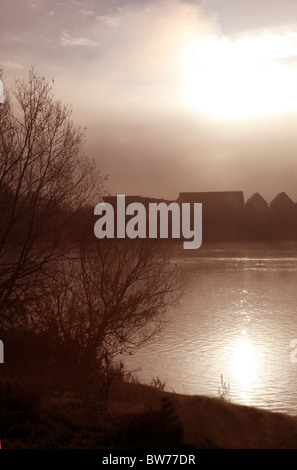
244,78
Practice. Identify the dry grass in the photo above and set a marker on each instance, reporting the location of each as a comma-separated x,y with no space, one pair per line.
134,418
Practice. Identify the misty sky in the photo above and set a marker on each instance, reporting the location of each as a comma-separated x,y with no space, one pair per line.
177,95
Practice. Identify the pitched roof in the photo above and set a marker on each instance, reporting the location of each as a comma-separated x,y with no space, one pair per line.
256,201
282,200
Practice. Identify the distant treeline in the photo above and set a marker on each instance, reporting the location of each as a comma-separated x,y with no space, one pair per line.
226,216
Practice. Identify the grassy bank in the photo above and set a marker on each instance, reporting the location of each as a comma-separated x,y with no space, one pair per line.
35,415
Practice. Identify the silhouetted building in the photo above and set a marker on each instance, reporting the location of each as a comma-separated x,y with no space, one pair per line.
258,219
222,213
256,204
282,203
284,217
225,215
214,199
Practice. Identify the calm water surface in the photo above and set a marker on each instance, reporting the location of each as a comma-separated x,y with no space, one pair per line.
237,318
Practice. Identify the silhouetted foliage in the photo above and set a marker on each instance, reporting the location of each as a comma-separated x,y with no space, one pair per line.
45,180
111,296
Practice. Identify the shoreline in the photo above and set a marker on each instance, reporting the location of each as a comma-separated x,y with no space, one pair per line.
142,417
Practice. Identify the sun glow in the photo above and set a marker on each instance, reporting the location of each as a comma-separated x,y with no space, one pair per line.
249,77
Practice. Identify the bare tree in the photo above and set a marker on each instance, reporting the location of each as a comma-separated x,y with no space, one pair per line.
45,179
114,295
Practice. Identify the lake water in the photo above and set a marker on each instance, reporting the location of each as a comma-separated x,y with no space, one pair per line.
237,318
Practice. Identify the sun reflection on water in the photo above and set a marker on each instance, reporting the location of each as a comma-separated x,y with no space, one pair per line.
244,363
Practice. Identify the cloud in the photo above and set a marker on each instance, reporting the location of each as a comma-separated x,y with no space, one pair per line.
85,12
109,20
136,58
137,62
35,5
77,3
68,40
8,64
